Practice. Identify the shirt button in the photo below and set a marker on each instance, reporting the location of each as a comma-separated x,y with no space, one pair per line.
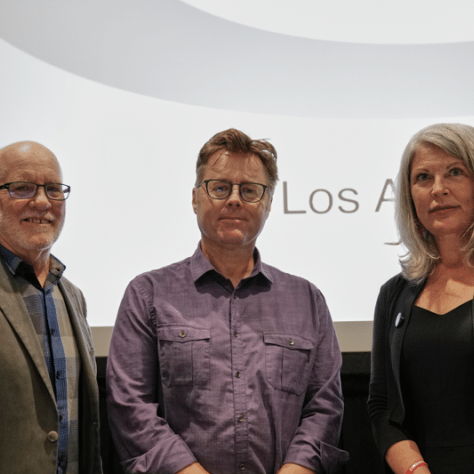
241,418
238,375
291,342
182,334
236,334
53,436
242,467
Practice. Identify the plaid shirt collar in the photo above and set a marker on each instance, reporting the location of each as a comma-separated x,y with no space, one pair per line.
19,267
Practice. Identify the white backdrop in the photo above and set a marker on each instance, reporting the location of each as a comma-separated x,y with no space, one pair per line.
121,141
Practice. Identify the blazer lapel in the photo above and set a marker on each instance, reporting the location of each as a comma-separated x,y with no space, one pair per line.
15,311
81,330
89,425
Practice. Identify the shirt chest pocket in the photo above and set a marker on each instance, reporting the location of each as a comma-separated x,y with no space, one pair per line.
287,362
184,353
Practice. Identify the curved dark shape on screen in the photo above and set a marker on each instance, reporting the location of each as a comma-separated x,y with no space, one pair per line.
172,51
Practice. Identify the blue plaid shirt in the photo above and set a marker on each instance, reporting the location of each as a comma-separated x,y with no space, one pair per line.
49,316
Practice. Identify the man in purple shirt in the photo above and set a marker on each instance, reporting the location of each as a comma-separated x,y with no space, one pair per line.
220,363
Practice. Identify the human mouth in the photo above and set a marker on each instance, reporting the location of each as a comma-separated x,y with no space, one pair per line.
231,219
38,220
441,209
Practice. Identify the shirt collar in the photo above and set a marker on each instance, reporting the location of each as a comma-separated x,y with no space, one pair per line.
200,265
19,267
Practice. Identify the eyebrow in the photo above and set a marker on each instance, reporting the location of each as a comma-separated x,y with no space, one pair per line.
458,162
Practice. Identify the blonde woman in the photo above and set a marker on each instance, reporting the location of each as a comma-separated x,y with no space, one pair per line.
421,399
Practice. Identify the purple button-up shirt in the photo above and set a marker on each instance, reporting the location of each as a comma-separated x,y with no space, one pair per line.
240,380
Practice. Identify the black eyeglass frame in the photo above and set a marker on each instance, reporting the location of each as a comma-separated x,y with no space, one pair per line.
66,191
207,181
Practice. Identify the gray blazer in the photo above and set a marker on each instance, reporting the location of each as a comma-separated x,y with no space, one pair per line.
28,412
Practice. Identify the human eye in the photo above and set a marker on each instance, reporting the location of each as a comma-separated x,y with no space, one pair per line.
222,187
252,192
21,186
54,190
22,189
218,188
422,176
249,189
455,171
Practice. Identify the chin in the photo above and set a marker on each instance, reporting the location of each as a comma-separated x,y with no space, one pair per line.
232,242
233,239
40,242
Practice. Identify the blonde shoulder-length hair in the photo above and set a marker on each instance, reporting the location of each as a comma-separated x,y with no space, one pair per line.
422,254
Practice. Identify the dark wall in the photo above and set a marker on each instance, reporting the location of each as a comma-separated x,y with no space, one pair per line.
356,436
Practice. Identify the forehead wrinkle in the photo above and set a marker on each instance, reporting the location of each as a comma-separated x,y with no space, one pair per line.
446,162
253,162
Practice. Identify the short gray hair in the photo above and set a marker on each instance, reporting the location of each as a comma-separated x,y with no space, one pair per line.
422,253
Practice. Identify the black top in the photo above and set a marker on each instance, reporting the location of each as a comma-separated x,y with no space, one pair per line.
386,403
437,377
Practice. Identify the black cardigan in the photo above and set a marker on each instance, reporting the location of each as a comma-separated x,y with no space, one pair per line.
386,406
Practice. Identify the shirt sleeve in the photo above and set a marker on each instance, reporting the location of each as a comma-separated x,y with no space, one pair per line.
314,444
385,433
144,441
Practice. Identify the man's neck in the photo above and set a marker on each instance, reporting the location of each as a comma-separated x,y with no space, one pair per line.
234,264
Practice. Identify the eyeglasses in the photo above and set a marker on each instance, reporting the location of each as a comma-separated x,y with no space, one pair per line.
26,190
220,189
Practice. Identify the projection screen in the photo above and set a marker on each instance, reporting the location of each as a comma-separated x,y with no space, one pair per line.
126,93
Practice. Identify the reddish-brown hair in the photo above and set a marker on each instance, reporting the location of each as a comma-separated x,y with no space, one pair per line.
235,141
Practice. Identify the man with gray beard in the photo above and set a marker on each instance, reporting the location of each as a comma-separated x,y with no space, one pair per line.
49,417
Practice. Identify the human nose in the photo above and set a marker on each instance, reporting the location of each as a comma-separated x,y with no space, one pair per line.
234,198
40,200
439,186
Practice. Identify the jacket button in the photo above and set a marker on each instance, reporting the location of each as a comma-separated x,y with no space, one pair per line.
53,436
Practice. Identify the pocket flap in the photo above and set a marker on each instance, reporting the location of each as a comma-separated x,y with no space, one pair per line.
183,333
288,341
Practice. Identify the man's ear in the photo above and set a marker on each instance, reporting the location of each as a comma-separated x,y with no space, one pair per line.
194,200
